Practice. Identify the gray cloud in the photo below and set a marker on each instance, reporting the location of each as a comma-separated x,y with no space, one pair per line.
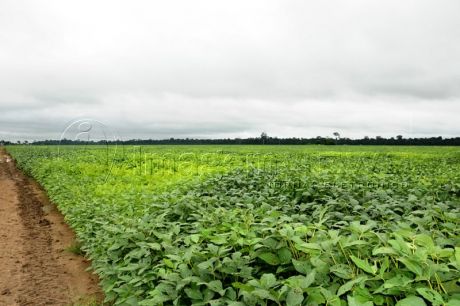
215,69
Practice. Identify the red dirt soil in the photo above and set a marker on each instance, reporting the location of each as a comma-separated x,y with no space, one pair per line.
35,268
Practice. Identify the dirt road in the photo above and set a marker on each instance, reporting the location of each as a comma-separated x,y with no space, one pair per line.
35,268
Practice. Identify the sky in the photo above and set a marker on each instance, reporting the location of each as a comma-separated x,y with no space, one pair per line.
212,69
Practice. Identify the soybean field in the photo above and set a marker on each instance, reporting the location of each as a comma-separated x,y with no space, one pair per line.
260,225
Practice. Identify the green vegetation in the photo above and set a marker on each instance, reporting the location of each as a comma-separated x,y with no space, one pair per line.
86,301
75,248
261,225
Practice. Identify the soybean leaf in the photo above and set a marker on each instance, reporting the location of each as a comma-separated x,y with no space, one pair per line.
270,258
431,295
349,285
411,300
363,265
352,301
294,297
268,280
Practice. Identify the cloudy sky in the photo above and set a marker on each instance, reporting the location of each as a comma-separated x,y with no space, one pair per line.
158,69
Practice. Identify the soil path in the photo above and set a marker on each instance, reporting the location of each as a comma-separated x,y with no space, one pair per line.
35,268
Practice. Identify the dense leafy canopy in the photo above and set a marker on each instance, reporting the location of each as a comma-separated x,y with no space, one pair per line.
253,226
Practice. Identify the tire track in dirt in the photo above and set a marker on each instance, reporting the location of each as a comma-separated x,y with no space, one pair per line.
35,268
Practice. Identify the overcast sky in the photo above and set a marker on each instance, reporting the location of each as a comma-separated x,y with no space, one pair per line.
158,69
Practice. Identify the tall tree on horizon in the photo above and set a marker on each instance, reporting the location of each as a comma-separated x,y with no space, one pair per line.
264,137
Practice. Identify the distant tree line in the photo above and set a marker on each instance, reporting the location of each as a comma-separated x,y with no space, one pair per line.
264,139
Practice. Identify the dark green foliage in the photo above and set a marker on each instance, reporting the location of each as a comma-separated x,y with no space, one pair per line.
323,229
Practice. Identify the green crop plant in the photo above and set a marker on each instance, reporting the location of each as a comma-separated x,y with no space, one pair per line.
267,225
